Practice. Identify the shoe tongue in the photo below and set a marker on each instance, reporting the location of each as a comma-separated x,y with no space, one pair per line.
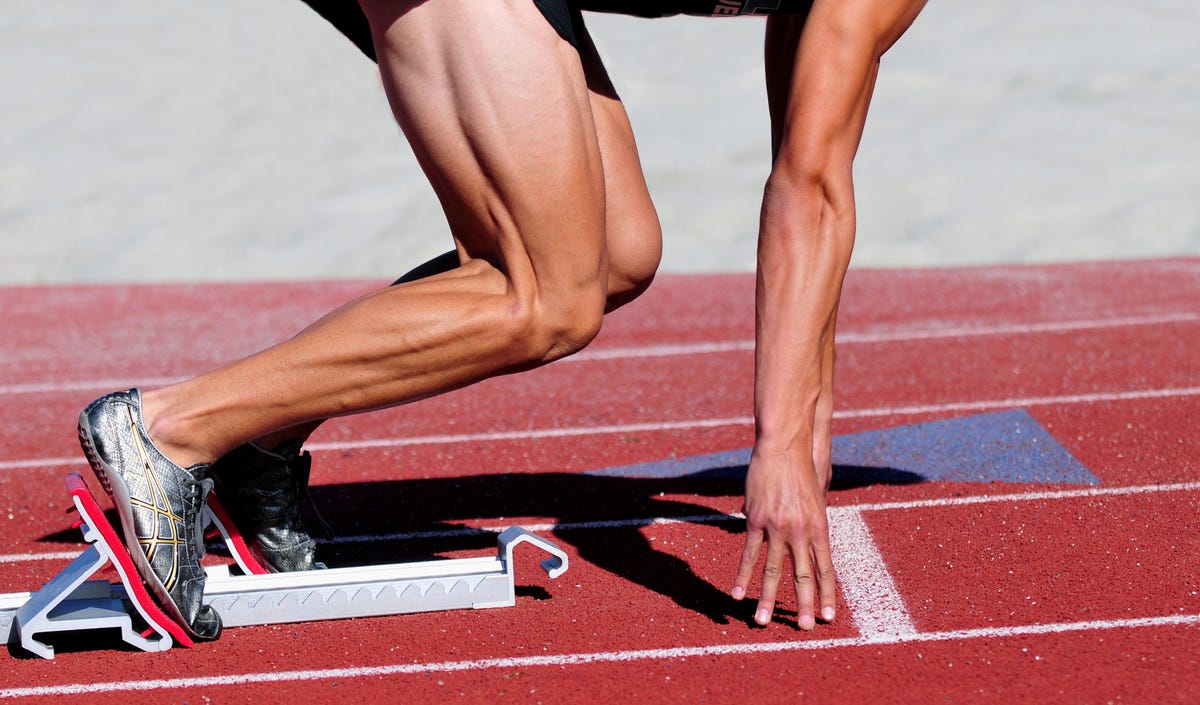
286,451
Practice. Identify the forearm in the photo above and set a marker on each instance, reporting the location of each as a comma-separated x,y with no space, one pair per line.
821,69
807,234
804,248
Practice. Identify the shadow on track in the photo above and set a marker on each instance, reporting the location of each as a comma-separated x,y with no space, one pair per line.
619,506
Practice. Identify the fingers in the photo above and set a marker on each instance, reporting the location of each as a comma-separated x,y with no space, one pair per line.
826,581
745,572
785,511
814,577
805,588
776,552
808,584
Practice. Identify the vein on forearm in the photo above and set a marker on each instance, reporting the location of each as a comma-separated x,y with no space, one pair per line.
804,250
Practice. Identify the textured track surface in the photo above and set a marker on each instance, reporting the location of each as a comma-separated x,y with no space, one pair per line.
1014,504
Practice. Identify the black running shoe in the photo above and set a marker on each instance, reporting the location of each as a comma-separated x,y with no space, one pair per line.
263,492
160,505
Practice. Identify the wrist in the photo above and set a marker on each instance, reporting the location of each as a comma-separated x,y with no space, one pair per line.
782,442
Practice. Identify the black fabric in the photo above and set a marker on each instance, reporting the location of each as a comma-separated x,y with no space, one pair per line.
349,19
702,8
563,15
347,16
563,18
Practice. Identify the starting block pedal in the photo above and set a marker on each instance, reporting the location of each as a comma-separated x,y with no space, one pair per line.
71,602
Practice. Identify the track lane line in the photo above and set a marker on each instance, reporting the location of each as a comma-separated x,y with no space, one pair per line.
866,583
534,434
599,657
713,347
897,336
85,385
1013,403
834,514
54,556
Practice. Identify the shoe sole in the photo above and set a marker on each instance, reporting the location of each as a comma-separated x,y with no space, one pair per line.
114,485
237,544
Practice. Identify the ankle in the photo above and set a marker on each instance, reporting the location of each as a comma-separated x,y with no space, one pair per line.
273,442
172,432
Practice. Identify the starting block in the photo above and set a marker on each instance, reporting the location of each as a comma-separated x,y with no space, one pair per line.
71,602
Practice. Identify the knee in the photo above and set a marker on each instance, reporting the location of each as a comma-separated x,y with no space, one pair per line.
634,253
552,324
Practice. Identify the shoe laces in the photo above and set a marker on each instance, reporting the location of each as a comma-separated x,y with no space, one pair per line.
198,490
285,485
301,468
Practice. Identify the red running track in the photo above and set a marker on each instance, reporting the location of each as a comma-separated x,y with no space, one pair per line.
949,591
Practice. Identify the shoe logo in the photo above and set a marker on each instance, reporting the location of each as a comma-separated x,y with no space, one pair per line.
152,541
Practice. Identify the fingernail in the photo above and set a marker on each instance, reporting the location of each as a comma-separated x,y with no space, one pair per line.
739,592
828,614
807,622
762,616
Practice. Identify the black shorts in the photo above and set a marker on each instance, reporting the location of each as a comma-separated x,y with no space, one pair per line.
349,19
700,8
563,15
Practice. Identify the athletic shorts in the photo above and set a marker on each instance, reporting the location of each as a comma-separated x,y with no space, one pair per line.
348,18
700,8
563,15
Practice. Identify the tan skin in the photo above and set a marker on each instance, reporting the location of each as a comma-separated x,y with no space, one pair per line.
539,267
821,71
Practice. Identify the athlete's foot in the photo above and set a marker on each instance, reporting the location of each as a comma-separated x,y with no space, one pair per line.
263,492
159,504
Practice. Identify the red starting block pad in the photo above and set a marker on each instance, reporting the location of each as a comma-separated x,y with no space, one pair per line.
71,603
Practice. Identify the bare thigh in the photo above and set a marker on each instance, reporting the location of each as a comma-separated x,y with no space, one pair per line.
496,108
533,157
633,235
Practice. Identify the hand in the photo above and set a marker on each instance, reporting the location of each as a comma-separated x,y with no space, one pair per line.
785,508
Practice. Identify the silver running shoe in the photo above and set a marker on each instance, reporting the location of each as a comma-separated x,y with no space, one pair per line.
159,504
263,492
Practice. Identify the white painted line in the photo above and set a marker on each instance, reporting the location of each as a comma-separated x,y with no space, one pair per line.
654,427
893,336
715,347
635,522
874,600
835,512
666,350
1030,496
664,426
55,556
42,463
579,659
1020,328
103,385
985,405
834,515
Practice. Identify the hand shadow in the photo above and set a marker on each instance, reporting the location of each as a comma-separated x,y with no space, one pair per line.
617,506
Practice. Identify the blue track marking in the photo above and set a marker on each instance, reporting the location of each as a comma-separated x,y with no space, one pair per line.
1002,446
